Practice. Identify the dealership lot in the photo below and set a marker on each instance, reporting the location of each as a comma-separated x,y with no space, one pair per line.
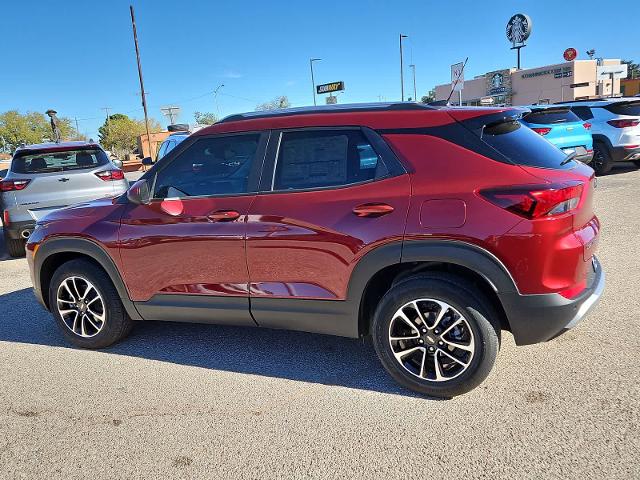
178,400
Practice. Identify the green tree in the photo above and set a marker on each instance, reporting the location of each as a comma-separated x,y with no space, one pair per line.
429,97
205,118
275,104
634,69
119,133
31,127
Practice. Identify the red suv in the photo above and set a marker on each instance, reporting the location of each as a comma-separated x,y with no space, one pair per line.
429,229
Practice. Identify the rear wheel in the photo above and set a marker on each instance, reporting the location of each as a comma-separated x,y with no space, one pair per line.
87,306
602,161
435,334
15,246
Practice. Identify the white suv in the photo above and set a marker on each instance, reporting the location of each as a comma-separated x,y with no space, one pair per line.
615,124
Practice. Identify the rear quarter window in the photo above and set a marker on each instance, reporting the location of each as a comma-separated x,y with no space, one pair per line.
522,146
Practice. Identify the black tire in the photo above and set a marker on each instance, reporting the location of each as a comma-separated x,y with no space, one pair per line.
602,161
15,246
469,302
117,324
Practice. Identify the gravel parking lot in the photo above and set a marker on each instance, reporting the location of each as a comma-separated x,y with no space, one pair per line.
189,401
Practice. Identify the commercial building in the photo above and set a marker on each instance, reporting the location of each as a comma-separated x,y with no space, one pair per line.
549,84
630,87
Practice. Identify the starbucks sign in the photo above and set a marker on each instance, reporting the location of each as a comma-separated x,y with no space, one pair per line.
518,28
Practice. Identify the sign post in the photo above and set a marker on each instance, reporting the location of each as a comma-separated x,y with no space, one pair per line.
457,80
612,72
518,30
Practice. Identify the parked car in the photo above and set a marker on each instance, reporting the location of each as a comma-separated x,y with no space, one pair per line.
171,142
432,230
615,125
49,176
563,128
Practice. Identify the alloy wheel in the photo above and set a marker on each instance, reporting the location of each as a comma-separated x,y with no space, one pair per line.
431,340
81,306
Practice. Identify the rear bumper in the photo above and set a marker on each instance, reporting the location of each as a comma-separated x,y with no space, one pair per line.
586,158
621,154
538,318
17,230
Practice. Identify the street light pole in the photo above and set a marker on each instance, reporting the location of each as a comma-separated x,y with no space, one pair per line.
313,82
413,67
142,92
401,69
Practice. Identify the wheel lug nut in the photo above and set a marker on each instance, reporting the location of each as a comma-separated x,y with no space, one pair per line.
424,330
431,349
436,331
440,343
421,341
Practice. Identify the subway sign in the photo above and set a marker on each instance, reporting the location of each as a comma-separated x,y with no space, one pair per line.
330,87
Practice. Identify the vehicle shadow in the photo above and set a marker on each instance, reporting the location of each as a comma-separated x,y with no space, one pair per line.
622,167
298,356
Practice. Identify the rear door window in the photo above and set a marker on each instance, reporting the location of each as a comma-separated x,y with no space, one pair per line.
47,162
522,146
583,112
551,116
325,158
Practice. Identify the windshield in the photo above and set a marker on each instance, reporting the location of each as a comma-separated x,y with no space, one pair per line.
523,146
45,162
550,116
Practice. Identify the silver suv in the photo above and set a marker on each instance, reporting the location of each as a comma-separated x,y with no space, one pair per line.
49,176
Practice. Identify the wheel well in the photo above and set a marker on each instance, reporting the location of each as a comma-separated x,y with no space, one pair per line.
52,263
383,280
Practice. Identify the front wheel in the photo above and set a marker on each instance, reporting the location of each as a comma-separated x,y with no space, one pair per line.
435,334
86,305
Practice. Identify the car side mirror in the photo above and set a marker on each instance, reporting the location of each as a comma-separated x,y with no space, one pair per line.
139,193
147,161
117,162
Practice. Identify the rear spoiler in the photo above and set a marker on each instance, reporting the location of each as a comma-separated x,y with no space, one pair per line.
481,118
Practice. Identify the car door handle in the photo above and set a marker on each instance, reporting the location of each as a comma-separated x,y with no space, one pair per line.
223,216
372,209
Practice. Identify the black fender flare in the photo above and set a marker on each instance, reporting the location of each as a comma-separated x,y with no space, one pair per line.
90,249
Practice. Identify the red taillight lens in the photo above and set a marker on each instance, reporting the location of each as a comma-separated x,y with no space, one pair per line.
630,147
574,291
110,175
5,218
541,130
536,201
624,123
12,185
587,125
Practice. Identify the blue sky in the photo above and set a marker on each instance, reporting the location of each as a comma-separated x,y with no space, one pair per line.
78,57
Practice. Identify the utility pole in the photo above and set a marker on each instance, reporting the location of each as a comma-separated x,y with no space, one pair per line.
313,82
106,109
401,69
144,98
77,127
215,99
413,67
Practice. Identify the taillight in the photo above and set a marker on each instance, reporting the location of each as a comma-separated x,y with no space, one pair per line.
587,125
5,218
630,147
541,130
110,175
536,201
624,123
12,185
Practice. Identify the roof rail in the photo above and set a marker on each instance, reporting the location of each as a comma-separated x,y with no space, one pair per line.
345,108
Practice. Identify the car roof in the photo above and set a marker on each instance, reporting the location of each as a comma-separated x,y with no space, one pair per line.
56,147
598,102
373,115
